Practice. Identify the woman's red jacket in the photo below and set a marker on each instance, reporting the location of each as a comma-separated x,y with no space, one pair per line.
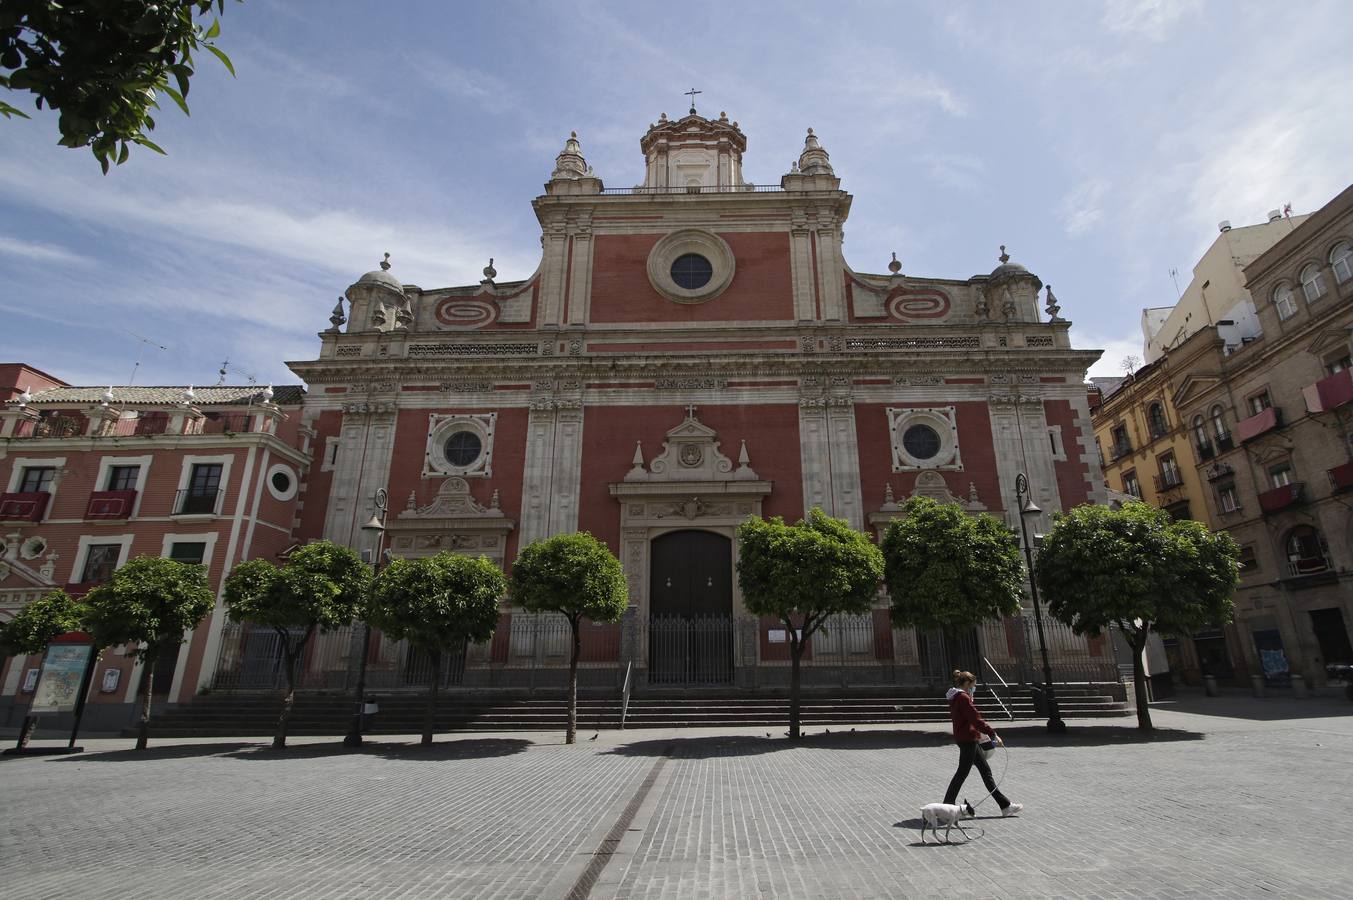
968,722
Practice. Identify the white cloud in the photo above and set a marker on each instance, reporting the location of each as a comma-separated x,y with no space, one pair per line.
1116,349
1152,19
39,253
1083,208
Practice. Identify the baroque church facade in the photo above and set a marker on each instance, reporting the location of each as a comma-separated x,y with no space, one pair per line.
690,352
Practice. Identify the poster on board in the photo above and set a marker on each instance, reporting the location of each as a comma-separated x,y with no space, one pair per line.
63,671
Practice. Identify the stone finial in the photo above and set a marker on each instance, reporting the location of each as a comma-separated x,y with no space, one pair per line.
385,263
189,396
888,494
723,116
1052,308
1004,257
490,272
494,501
412,504
982,307
268,394
814,160
404,315
336,318
895,267
570,164
107,396
637,472
972,492
26,397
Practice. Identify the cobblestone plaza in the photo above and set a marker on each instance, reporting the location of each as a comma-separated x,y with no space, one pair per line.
1232,797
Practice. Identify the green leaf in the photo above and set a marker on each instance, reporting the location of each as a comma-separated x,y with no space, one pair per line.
225,60
214,30
177,98
10,112
147,142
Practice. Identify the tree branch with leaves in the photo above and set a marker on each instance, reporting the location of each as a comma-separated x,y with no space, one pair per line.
103,66
33,628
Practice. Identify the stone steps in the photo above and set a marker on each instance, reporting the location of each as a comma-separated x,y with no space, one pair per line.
224,715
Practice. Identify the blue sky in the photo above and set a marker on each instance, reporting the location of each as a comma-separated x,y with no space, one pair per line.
1100,141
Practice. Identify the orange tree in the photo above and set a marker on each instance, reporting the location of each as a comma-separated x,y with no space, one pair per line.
148,603
578,576
35,626
802,574
1140,569
437,603
320,588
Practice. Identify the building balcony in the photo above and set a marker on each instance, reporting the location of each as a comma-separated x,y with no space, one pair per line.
1341,477
1168,481
147,425
1118,451
24,506
1225,442
110,505
1262,423
1218,471
1329,393
1205,450
52,427
1281,498
1314,565
197,503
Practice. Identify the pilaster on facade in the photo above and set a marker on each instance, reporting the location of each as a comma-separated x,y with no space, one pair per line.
365,452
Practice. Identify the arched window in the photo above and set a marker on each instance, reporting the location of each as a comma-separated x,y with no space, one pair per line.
1341,261
1219,422
1200,431
1312,283
1155,419
1305,551
1284,302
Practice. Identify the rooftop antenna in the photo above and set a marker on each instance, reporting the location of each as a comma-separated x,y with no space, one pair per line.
1174,276
139,351
221,372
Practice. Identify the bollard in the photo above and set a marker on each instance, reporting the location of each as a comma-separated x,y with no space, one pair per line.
1299,687
1257,686
1210,685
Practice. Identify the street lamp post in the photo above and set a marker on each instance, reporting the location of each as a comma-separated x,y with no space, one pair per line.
1027,508
376,526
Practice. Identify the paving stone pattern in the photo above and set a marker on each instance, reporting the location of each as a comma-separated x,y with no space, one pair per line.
1219,806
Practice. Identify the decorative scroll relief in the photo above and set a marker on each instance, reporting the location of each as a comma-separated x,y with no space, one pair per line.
691,384
918,303
1038,340
924,438
466,312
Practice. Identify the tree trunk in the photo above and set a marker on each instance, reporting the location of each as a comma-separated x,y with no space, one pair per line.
30,724
143,725
1139,681
279,738
571,736
430,716
795,654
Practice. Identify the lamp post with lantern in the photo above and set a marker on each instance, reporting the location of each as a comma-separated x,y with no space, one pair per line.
1027,509
374,526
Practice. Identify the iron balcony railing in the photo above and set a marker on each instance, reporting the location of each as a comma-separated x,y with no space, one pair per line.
1169,480
189,502
1119,450
52,427
1225,441
1313,565
699,189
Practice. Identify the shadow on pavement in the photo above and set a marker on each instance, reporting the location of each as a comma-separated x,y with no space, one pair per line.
1274,708
469,748
154,752
1031,735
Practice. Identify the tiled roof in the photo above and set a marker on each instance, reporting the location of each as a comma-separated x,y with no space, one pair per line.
225,395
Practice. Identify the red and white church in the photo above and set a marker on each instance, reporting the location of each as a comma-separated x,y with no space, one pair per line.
689,352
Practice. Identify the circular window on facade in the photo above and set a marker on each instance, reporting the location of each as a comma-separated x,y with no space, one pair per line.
692,271
463,448
921,441
281,482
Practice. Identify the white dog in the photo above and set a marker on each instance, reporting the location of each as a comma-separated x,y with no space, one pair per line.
933,815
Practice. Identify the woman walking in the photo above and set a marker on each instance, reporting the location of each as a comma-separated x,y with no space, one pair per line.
969,726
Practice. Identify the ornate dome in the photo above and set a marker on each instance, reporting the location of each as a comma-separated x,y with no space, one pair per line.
382,277
1008,269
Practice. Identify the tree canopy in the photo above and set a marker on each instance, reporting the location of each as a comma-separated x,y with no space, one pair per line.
103,65
148,603
437,603
802,574
39,622
946,569
578,576
322,586
1139,569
